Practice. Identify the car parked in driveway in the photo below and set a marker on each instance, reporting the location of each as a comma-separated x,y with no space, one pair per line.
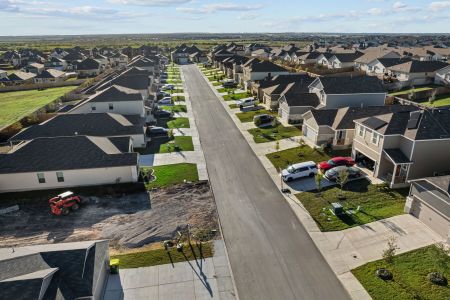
162,114
263,119
246,102
335,162
165,101
300,170
229,84
155,131
168,87
332,174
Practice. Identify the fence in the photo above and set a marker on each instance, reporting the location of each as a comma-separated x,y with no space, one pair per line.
36,86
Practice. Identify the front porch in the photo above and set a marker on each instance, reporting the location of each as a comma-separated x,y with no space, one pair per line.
394,168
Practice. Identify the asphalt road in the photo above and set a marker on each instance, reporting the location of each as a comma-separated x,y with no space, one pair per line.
271,254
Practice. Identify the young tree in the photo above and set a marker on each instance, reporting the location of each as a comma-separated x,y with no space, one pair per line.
389,253
277,145
342,179
318,178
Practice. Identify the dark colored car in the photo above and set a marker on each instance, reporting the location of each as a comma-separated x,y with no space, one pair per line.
335,162
163,114
333,174
155,131
263,119
229,84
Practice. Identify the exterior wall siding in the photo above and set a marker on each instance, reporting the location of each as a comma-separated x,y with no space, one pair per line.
123,108
354,100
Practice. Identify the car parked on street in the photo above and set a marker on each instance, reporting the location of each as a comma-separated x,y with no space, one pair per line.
246,102
300,170
332,174
155,131
335,162
165,101
263,119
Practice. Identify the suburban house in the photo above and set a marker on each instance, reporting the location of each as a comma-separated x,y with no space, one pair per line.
343,60
56,64
101,124
119,59
256,69
88,68
3,74
313,58
143,63
259,86
379,66
62,162
115,99
198,57
50,76
103,60
336,92
232,66
181,54
443,76
336,126
35,68
19,77
362,62
429,201
294,101
404,146
62,271
261,53
416,72
136,79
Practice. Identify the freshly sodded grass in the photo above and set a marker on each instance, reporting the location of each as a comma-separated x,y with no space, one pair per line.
179,143
233,106
417,89
175,108
236,96
172,123
178,98
172,174
247,116
174,81
375,204
284,158
410,281
216,83
175,91
17,105
270,133
441,100
161,256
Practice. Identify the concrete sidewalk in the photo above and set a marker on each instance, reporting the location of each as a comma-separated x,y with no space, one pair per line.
199,279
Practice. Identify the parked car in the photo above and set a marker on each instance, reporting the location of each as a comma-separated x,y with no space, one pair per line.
332,174
168,87
246,102
229,84
263,119
155,131
165,101
295,171
335,162
162,114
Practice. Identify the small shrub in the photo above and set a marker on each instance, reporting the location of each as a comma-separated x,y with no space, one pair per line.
389,253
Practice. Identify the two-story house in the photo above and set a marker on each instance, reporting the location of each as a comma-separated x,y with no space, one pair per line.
256,69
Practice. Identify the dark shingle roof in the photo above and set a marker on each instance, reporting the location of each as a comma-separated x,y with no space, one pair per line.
51,73
116,93
389,62
264,66
397,156
64,153
351,85
347,57
88,64
415,66
101,124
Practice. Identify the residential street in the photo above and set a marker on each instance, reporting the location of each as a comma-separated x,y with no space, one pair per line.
271,254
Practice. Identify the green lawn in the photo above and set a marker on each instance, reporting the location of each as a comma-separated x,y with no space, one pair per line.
176,90
270,133
233,106
282,159
173,123
410,281
16,105
376,204
441,100
165,145
216,83
175,108
174,81
247,116
417,89
161,256
178,98
173,174
236,96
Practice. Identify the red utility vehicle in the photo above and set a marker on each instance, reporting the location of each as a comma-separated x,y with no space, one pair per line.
63,203
334,162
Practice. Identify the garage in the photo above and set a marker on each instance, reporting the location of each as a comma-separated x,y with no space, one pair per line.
430,203
309,133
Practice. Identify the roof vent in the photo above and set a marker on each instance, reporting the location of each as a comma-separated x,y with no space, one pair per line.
414,118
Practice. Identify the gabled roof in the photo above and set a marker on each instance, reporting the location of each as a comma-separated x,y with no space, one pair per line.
350,85
347,57
263,66
116,93
285,79
88,64
100,124
372,54
389,62
416,66
21,76
64,153
50,73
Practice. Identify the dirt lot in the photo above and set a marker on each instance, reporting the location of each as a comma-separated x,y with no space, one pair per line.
129,221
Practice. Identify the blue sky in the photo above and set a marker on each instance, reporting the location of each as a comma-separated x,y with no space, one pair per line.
36,17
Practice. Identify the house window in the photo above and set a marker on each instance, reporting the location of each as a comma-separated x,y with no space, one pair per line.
94,108
361,131
41,177
60,176
375,138
111,106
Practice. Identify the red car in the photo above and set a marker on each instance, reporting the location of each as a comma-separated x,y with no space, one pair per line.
334,162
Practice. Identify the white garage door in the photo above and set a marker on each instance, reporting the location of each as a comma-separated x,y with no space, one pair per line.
309,133
430,218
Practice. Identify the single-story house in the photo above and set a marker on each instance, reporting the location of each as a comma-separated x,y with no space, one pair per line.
63,162
416,72
56,64
379,66
62,271
443,76
35,68
49,76
343,60
101,124
88,68
362,62
429,201
19,77
342,91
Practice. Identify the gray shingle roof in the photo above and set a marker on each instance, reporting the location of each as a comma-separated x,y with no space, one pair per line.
88,64
351,85
101,124
415,66
397,156
64,153
264,66
116,93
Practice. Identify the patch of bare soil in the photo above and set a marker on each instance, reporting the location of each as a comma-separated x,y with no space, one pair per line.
130,221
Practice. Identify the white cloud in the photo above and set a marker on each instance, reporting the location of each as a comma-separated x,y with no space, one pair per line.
439,5
247,16
150,2
218,7
399,5
375,11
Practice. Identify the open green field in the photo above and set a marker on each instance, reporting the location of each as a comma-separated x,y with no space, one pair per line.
173,174
409,281
16,105
161,256
375,204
